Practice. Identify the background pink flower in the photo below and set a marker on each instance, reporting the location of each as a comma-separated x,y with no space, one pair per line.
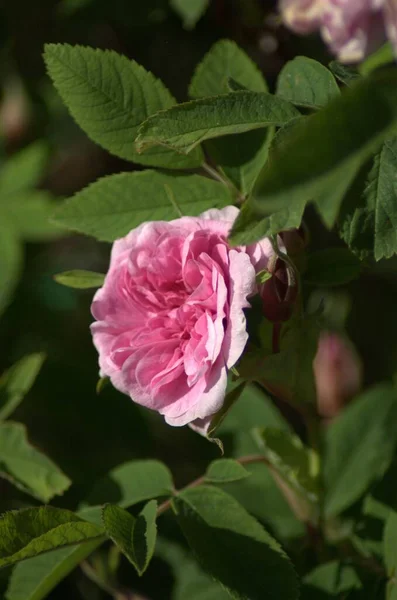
170,316
351,28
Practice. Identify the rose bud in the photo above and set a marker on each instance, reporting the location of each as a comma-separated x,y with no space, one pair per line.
337,373
279,293
351,28
295,240
170,317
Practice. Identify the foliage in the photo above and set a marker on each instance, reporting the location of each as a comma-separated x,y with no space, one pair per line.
295,507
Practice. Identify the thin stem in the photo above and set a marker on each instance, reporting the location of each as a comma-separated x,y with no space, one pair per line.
214,173
93,576
244,460
115,592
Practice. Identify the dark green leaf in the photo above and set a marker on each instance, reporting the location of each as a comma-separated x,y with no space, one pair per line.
225,60
135,537
233,394
288,373
306,82
10,262
30,213
249,227
233,547
383,56
333,266
225,470
332,578
17,381
240,157
191,582
359,447
185,126
33,531
374,219
27,467
109,208
321,155
133,482
109,96
80,279
297,464
390,544
22,171
347,75
34,578
190,11
259,493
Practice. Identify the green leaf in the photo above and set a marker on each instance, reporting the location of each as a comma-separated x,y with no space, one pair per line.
185,126
33,531
250,226
332,578
390,544
233,393
35,578
306,82
369,226
23,170
333,266
135,537
225,470
133,482
383,56
289,373
233,547
346,75
359,447
191,582
297,464
11,259
109,208
109,96
321,154
240,157
80,279
225,60
30,214
190,11
17,381
259,493
26,467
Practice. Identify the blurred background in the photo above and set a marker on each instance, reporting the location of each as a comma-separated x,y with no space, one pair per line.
45,157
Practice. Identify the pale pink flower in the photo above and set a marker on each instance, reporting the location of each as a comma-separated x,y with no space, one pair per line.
351,28
170,317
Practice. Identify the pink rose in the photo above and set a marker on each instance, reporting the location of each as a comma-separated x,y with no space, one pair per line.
170,316
352,28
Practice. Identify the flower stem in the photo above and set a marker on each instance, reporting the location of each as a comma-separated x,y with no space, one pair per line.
214,173
244,460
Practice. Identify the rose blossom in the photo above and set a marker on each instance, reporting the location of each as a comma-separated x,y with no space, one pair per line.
170,316
351,28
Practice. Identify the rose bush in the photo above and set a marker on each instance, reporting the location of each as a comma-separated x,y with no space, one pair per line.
351,28
170,316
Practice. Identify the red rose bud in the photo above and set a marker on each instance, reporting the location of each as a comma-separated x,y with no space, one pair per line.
295,240
337,373
279,293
